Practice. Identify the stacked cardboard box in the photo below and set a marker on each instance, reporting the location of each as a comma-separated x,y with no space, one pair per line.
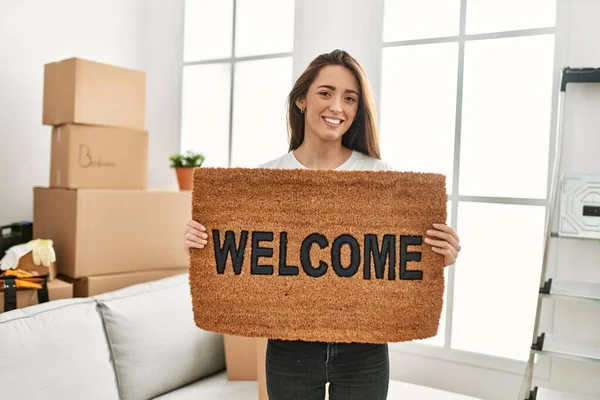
109,230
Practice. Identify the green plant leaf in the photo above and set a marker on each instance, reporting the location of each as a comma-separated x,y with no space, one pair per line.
189,159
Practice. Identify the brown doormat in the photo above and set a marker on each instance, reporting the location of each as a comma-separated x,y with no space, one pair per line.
287,251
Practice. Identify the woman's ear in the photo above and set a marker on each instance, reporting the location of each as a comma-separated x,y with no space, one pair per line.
301,103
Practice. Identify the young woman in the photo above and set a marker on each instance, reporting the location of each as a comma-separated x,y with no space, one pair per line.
332,125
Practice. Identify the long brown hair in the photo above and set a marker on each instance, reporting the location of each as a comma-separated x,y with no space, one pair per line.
363,134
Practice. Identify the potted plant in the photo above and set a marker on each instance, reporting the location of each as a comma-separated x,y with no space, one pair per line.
184,164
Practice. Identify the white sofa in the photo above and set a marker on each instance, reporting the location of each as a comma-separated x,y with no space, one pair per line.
138,343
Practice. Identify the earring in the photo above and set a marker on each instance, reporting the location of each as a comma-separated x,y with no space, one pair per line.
302,110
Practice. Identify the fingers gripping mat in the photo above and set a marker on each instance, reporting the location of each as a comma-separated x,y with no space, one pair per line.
318,255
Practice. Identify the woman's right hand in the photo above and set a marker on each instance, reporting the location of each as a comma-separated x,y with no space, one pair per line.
195,236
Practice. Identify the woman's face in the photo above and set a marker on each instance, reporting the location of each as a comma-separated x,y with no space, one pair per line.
331,103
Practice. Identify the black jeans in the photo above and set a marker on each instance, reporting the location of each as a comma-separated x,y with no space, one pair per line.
297,370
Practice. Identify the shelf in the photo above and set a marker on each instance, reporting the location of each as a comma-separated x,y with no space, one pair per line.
579,75
546,394
571,290
557,237
577,349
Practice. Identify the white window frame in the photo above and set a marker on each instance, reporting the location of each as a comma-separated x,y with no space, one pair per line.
232,61
446,352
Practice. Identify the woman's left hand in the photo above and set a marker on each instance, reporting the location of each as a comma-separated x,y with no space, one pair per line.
444,241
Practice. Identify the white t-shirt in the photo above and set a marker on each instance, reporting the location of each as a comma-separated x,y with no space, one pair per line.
357,161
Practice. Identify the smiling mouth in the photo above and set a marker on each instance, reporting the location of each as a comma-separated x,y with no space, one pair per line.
333,121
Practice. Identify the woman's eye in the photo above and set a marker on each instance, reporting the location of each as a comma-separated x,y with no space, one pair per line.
351,99
324,93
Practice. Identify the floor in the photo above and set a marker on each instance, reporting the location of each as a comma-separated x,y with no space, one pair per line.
224,390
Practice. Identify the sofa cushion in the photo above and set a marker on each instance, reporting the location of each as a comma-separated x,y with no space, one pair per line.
55,350
215,387
155,343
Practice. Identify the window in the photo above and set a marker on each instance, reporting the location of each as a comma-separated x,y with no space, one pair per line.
236,76
466,91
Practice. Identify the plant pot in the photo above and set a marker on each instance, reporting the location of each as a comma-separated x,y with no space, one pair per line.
185,178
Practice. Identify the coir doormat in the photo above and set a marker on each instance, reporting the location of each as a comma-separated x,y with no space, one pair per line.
318,255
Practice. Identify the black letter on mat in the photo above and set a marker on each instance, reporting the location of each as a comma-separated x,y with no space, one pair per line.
305,255
289,270
237,254
257,251
388,248
406,256
336,258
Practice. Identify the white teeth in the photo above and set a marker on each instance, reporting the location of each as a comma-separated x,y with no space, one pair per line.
333,121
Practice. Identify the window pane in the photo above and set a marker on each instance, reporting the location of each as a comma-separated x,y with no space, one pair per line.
485,16
418,108
506,109
208,29
439,339
205,112
409,19
259,111
264,27
497,278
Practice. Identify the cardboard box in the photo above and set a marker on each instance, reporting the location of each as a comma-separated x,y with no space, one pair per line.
240,358
84,156
57,289
87,92
95,285
108,231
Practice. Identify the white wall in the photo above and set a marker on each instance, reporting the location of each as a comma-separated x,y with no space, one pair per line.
163,55
138,34
318,30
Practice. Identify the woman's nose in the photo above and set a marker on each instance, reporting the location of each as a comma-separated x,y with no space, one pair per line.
335,105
